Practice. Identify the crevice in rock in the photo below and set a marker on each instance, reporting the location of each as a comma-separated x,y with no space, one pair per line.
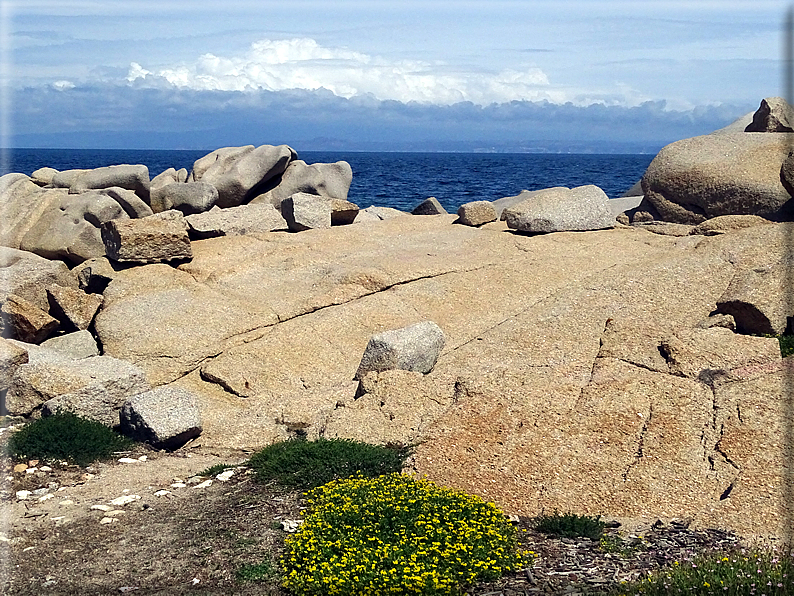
739,413
724,455
640,445
210,378
727,492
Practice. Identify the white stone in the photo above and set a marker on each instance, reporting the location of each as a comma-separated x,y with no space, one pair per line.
128,460
66,503
23,495
125,500
101,507
224,476
178,485
162,493
204,484
46,497
107,520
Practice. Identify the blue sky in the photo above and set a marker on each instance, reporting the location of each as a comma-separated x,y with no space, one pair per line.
433,73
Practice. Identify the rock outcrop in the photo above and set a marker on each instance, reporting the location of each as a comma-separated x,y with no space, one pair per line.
560,210
773,115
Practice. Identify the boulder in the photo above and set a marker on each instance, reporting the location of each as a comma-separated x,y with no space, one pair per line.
623,204
19,319
149,240
166,417
414,348
331,180
93,275
244,219
28,276
757,299
343,212
429,206
695,179
11,357
131,177
189,198
133,205
74,308
71,231
23,203
476,213
43,176
773,115
65,178
501,204
561,210
75,346
374,213
787,173
169,176
240,172
726,223
95,388
303,211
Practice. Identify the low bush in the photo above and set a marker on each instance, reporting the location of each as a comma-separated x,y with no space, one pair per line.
303,464
786,345
739,573
66,436
396,535
570,525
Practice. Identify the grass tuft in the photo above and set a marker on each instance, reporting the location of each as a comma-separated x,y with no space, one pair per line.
259,572
570,525
66,436
302,464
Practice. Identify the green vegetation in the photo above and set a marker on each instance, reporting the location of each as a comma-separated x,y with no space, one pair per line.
786,345
66,436
739,573
570,525
396,534
256,573
215,470
303,464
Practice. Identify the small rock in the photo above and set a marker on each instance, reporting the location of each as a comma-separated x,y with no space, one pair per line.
142,458
224,476
125,500
178,485
46,497
66,503
291,525
19,468
162,493
23,495
40,491
101,507
204,484
128,460
30,471
107,520
114,512
45,469
194,479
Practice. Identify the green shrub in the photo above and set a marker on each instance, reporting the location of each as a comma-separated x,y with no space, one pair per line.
786,345
215,470
570,525
66,436
396,535
306,464
731,574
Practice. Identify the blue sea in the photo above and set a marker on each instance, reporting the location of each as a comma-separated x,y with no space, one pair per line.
399,180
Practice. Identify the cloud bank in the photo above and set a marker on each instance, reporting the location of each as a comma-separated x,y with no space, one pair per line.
301,63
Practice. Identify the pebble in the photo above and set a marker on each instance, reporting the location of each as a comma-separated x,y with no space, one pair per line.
101,507
114,513
128,460
46,497
23,495
66,503
125,500
291,525
204,484
33,463
30,470
142,458
41,491
162,493
224,476
194,480
178,485
19,468
45,469
107,520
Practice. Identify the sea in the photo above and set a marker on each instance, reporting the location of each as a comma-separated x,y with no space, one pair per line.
398,180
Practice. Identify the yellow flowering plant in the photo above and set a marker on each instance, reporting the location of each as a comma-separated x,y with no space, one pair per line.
395,534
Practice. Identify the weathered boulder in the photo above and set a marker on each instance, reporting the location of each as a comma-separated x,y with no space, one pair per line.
725,223
343,212
429,206
75,345
303,211
73,308
501,204
71,231
153,239
133,205
476,213
695,179
375,213
240,172
28,276
166,417
623,204
757,298
169,176
773,115
23,203
11,357
244,219
93,275
331,180
43,176
19,319
189,198
560,210
65,178
94,387
415,348
131,177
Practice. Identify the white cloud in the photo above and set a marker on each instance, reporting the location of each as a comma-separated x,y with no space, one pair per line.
301,63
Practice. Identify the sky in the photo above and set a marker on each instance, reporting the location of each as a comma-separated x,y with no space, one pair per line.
383,75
